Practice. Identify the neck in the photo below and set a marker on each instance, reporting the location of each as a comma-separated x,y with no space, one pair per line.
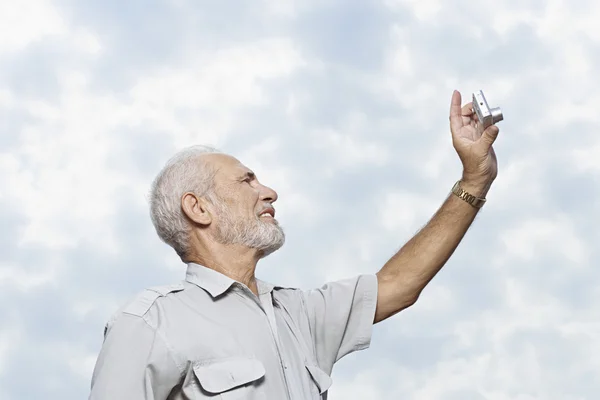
234,261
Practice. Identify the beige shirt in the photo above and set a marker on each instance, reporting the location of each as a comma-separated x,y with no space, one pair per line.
210,337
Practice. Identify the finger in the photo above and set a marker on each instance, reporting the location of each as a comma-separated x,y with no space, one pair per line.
467,109
456,121
488,137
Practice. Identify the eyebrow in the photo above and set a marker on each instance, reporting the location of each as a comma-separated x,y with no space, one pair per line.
248,175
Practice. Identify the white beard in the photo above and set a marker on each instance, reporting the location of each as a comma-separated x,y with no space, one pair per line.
266,236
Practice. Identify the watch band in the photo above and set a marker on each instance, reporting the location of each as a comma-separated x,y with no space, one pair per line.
462,194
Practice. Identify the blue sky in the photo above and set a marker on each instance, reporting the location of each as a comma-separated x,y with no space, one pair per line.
341,106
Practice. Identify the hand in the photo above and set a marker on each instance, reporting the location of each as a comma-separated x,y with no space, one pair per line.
474,147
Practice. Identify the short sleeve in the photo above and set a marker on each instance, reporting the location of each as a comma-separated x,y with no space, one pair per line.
341,317
134,363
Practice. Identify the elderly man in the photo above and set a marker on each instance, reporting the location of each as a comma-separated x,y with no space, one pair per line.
224,334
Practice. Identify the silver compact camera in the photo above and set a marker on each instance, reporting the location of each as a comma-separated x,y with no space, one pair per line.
485,115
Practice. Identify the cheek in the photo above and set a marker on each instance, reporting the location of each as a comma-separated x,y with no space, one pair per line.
251,193
244,201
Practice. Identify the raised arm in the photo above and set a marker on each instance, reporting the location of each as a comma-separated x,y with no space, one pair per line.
406,274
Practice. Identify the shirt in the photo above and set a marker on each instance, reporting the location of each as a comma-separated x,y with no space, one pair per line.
210,337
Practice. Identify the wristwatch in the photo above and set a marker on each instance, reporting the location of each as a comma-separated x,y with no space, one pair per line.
462,194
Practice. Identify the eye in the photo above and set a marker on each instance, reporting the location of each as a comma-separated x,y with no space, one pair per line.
248,180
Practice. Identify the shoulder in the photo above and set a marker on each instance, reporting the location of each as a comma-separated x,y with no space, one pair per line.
143,302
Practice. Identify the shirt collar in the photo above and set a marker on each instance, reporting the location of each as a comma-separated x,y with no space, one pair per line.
208,279
215,282
264,287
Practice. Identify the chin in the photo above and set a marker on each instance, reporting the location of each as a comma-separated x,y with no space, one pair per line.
267,250
269,221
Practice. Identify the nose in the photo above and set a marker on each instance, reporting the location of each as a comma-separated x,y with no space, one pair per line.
268,194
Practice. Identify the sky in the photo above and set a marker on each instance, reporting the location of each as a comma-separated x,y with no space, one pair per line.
342,107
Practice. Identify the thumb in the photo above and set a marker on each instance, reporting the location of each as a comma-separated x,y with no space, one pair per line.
488,137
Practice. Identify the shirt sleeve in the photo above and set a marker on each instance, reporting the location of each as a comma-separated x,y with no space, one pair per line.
341,317
134,363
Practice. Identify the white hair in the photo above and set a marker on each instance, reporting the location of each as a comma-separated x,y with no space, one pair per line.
184,172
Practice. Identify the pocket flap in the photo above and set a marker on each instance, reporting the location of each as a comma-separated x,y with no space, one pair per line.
217,376
321,378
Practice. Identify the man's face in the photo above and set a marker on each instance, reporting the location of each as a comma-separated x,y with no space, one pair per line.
243,207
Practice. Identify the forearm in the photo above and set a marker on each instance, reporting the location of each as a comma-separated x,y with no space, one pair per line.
405,275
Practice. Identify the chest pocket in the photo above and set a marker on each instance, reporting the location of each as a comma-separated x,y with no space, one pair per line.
231,378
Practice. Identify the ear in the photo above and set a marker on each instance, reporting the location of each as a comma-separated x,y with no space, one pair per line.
196,209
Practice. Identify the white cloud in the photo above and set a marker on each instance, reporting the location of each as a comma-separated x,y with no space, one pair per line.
12,277
425,11
347,150
359,151
71,196
24,22
210,89
9,339
586,158
550,235
82,365
406,212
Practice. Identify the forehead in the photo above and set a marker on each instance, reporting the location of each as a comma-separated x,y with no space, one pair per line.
226,166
